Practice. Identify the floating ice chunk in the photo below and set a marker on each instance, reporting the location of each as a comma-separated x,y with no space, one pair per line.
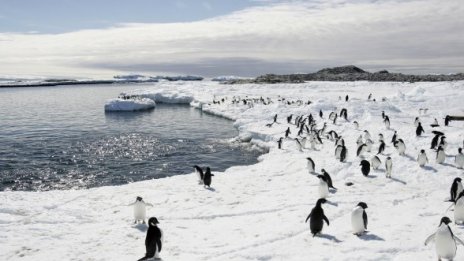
129,105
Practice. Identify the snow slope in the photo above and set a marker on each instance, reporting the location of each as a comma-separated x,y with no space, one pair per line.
257,212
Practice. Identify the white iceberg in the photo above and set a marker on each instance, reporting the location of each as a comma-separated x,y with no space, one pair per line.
138,104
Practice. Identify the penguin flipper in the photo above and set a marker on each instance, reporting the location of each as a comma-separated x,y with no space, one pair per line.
365,219
326,220
429,239
458,240
159,245
308,216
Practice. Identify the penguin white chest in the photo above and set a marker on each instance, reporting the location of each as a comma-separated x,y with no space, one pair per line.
323,189
422,159
460,161
444,243
459,211
357,222
440,157
139,211
310,167
401,148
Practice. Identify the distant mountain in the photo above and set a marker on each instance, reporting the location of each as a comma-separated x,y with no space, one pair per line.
349,73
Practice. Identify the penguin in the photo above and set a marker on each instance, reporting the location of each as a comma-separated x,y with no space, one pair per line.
199,173
340,153
365,167
386,121
388,166
346,98
310,165
369,144
299,145
440,158
287,132
356,125
400,146
383,114
207,177
279,143
323,186
443,142
434,142
361,150
369,97
459,209
312,142
416,121
375,162
435,124
321,114
359,219
394,138
419,129
317,217
359,141
329,179
340,141
445,240
381,137
343,154
154,240
140,211
289,118
344,114
381,147
456,189
459,159
367,135
422,158
275,118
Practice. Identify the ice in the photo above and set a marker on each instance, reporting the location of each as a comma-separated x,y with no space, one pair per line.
257,212
138,104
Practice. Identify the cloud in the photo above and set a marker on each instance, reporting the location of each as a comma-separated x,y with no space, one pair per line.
409,36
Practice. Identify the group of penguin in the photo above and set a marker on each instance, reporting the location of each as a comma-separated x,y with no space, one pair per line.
444,238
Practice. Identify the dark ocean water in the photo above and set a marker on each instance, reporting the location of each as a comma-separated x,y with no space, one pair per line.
61,138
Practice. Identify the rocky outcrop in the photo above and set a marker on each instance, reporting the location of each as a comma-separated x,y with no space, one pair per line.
350,73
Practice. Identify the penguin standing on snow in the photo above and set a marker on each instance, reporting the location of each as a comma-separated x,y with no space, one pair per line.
445,240
359,219
367,135
361,150
279,143
400,146
435,139
359,141
365,167
317,217
356,125
459,209
329,179
323,186
381,147
375,162
443,142
416,121
287,132
456,189
386,121
419,129
388,167
310,165
440,158
459,159
199,173
422,158
140,210
394,138
435,123
207,177
340,153
153,241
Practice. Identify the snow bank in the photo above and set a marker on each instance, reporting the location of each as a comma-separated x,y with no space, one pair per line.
138,104
257,212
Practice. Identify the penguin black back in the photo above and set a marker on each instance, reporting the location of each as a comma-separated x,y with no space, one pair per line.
365,167
153,240
207,177
317,217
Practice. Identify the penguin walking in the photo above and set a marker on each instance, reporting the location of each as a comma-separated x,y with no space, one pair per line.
310,165
199,172
359,219
456,189
375,162
329,179
459,159
317,217
419,130
400,146
153,240
440,158
388,167
365,167
323,186
422,158
445,240
207,177
459,209
140,210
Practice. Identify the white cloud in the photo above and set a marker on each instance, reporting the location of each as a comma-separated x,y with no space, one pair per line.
396,35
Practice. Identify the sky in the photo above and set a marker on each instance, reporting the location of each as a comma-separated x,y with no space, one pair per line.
102,38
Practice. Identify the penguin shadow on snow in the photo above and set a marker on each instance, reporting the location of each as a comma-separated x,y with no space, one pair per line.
329,237
411,158
430,168
392,178
370,237
141,227
211,189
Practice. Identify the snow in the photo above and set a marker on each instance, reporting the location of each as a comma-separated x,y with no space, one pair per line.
257,212
138,104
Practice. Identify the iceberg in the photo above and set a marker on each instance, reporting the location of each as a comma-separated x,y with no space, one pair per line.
138,104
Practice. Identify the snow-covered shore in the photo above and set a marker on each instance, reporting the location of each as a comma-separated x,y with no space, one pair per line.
257,212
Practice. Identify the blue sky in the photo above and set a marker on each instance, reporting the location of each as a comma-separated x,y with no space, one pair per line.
58,16
101,38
